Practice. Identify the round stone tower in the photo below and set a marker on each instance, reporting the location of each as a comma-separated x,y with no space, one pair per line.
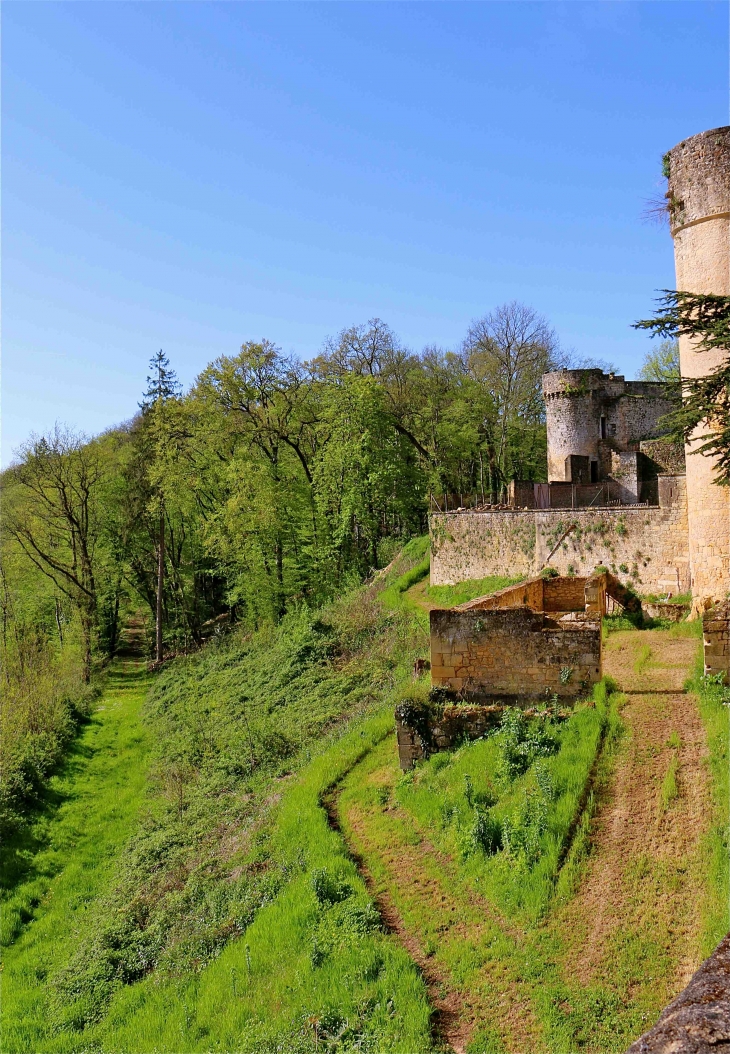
570,417
699,209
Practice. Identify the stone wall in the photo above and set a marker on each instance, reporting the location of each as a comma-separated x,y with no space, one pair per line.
513,654
698,1020
646,548
421,731
716,634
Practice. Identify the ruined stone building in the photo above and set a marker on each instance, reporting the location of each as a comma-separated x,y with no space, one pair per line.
619,494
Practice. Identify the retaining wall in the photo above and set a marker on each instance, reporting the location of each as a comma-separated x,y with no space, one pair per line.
652,544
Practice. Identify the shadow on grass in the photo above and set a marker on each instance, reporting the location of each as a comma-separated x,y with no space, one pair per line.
21,859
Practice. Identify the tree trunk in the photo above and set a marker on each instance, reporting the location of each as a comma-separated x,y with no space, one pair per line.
160,583
59,624
114,630
279,577
86,623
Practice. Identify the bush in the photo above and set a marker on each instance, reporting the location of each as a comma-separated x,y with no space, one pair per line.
40,716
521,741
486,832
523,829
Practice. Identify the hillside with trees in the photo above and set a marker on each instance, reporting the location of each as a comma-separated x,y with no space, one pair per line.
270,484
209,615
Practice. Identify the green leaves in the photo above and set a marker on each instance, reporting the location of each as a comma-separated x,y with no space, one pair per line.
703,419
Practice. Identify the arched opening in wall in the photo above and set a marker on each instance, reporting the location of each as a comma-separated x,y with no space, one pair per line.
594,470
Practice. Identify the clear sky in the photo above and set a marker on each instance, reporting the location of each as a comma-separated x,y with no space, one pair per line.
188,176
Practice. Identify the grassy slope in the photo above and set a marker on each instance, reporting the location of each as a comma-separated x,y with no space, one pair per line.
479,915
520,970
228,843
234,918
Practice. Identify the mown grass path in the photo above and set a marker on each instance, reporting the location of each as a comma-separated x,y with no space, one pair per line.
638,912
69,859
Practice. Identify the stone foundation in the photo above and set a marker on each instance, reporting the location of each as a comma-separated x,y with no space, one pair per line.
522,654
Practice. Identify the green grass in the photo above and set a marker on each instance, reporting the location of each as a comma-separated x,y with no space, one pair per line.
450,596
184,891
485,917
52,879
643,659
669,789
207,893
442,795
714,703
305,961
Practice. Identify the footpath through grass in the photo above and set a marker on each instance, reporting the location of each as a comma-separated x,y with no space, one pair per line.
184,890
565,893
67,857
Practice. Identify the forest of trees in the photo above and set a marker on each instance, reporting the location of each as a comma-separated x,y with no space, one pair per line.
271,481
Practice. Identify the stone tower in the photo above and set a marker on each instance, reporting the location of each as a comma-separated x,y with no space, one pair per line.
699,201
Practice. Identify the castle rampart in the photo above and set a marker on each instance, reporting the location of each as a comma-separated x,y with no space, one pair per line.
646,547
699,208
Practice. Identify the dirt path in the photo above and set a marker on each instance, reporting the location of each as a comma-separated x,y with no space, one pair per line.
449,1028
464,949
638,883
627,940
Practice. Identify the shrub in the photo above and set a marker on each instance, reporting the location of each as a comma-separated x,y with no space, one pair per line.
522,830
328,888
486,831
521,741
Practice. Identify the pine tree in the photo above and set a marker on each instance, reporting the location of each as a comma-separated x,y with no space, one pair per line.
162,388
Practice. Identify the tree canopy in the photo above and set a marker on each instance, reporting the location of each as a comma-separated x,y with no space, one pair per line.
274,481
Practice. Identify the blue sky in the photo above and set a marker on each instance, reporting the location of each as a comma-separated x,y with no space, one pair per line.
188,176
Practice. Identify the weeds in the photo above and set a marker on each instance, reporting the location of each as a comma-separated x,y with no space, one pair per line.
669,789
521,741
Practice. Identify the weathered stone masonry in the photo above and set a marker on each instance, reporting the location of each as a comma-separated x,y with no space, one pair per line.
699,201
716,635
646,547
513,653
596,419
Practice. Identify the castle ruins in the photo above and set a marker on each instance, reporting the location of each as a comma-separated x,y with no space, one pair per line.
619,494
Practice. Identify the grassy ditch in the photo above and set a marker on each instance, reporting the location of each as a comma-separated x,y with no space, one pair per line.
53,877
203,855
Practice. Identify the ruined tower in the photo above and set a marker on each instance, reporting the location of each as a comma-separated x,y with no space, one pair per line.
699,208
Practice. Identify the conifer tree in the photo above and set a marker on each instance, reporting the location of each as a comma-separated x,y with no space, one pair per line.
705,318
163,389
